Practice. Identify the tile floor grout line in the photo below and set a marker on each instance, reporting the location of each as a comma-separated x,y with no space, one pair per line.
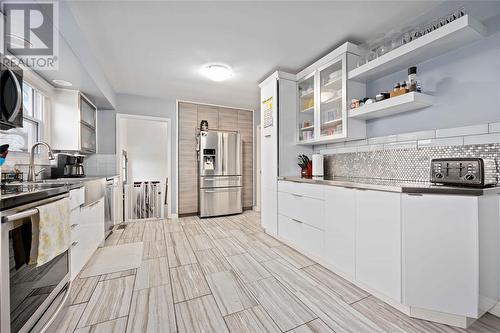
132,295
212,294
171,283
238,223
102,322
359,300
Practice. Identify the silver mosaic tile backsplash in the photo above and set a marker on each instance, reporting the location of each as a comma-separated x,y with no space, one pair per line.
402,164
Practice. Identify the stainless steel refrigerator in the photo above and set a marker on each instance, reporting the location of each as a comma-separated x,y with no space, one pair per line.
220,181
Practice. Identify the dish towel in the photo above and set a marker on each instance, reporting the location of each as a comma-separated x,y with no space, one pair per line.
51,232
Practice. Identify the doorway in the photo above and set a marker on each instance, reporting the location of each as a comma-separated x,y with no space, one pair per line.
143,158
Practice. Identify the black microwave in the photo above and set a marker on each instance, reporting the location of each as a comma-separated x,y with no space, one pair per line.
11,94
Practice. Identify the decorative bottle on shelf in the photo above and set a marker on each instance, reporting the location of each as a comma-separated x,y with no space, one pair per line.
414,83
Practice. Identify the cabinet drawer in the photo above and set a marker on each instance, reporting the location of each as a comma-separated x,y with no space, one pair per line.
76,197
305,190
305,209
301,235
289,229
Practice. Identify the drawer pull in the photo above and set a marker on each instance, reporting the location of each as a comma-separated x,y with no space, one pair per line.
297,221
74,225
297,195
74,244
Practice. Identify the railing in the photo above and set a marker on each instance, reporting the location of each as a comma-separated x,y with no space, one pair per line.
143,200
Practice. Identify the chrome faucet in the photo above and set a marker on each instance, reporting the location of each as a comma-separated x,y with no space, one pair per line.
31,171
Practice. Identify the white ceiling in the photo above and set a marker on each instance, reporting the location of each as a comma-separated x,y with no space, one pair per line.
156,48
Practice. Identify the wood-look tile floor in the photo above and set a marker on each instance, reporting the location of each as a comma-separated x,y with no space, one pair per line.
225,275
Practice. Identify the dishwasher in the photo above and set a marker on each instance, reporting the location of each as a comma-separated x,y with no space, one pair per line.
109,208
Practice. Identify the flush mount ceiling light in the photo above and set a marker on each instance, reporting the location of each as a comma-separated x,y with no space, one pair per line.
62,83
217,72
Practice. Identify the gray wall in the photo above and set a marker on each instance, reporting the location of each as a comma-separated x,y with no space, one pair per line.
144,106
465,83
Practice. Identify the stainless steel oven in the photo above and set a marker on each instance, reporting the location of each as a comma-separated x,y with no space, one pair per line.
31,297
11,94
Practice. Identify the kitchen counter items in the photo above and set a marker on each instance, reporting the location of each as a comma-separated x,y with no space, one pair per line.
394,186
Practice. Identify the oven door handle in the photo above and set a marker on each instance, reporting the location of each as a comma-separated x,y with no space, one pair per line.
59,308
19,99
19,216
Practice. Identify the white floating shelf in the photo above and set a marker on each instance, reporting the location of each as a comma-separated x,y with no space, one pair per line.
307,128
306,94
331,123
332,81
440,41
307,110
408,102
333,99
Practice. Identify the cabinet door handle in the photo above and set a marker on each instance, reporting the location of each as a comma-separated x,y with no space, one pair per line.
74,244
297,221
74,225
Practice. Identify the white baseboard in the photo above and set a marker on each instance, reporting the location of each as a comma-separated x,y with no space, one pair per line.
495,310
439,317
173,216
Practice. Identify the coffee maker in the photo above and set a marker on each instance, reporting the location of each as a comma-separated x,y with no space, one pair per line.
68,166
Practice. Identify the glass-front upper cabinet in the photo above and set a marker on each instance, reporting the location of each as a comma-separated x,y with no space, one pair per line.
306,113
331,100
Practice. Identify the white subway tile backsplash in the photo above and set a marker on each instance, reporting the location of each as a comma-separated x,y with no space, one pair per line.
335,145
400,145
382,139
100,164
494,127
420,135
362,149
459,136
356,143
343,150
455,141
462,131
328,151
482,139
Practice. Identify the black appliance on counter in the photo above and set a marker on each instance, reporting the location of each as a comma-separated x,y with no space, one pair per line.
466,171
11,94
68,166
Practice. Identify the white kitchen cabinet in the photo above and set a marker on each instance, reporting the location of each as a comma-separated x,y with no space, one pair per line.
304,209
302,189
87,235
378,241
301,216
340,228
301,235
73,122
447,242
323,92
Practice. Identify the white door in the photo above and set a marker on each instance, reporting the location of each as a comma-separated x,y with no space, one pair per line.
440,235
378,241
258,170
340,228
